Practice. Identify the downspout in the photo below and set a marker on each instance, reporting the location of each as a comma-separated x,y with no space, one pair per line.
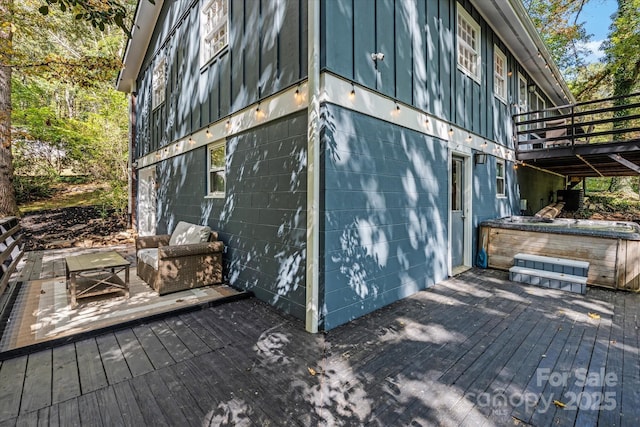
313,169
133,171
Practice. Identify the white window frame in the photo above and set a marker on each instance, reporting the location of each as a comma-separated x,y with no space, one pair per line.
465,22
159,83
216,169
214,29
499,75
501,178
523,94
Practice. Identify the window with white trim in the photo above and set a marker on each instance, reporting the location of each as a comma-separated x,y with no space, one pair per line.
500,178
468,44
216,165
159,83
499,74
214,29
522,94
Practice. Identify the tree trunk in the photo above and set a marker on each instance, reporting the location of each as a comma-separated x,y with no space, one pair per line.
8,206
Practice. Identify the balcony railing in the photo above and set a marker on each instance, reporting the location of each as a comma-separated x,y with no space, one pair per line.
607,121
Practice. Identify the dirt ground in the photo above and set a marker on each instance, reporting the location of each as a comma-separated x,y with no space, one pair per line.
80,226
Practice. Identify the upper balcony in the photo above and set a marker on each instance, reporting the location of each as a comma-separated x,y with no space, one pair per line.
587,139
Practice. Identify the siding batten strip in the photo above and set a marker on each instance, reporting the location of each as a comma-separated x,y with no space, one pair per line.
313,169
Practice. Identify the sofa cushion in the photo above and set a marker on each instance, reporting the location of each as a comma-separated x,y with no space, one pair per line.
186,233
149,256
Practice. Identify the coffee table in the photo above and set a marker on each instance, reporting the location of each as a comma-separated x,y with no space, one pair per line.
96,274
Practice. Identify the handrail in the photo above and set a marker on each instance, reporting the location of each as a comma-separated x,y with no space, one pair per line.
602,122
11,249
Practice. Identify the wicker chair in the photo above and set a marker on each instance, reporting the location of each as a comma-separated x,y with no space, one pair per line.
189,258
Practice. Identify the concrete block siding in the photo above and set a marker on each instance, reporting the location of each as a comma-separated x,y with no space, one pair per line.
385,214
261,219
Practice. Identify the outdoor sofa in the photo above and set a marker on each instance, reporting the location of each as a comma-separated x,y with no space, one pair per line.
190,257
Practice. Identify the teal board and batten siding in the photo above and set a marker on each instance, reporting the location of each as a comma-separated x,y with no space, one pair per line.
267,52
385,210
486,202
418,39
261,219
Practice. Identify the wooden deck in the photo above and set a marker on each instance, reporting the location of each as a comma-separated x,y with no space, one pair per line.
42,312
474,350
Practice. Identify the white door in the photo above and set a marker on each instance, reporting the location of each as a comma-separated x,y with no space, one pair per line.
457,206
147,199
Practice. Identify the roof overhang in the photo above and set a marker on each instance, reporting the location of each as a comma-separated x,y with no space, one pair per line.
511,22
143,25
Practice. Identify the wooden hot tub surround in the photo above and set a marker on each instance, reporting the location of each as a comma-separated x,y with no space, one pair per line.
612,248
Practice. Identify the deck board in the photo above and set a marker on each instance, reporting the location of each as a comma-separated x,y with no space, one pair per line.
190,339
89,409
12,374
36,390
90,368
115,365
134,354
174,345
150,410
427,360
110,411
171,403
66,382
69,412
158,355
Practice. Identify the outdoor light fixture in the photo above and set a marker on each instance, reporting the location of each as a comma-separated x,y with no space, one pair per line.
227,125
531,88
377,56
298,95
450,131
469,138
191,141
480,158
352,94
510,73
209,134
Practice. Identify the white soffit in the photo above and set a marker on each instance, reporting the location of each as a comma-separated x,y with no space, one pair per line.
141,32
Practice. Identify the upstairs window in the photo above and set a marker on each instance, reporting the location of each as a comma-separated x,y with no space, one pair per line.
499,74
216,163
159,83
214,29
500,178
468,44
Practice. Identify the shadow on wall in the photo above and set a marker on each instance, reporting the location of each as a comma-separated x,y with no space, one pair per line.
385,213
262,218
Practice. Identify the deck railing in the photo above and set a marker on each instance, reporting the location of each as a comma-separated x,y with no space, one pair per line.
611,120
11,249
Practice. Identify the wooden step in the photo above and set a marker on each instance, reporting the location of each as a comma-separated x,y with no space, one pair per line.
557,265
549,279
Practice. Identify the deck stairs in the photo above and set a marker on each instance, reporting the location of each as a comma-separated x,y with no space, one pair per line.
550,272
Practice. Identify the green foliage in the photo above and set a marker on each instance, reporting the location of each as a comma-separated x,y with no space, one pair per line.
116,199
98,14
66,116
30,188
564,36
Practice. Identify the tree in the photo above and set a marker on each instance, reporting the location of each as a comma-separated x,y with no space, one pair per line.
565,37
100,14
8,206
623,61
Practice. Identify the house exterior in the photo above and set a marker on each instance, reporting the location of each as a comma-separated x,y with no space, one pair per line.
344,149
